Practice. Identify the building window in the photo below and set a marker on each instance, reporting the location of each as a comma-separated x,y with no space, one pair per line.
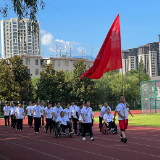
28,71
37,72
66,63
58,63
29,47
36,61
27,61
14,33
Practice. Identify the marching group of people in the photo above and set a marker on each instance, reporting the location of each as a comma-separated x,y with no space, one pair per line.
67,118
53,116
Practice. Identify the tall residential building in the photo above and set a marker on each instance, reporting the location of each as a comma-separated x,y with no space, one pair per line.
17,38
150,56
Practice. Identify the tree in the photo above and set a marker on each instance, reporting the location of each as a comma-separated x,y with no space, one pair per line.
22,77
47,84
9,88
82,89
35,81
15,82
23,9
142,72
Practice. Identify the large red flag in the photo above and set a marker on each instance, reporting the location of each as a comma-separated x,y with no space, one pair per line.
109,57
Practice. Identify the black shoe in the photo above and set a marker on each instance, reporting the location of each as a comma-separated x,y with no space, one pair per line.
122,139
125,140
46,132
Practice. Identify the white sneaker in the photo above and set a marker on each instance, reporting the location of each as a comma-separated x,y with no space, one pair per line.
84,138
92,138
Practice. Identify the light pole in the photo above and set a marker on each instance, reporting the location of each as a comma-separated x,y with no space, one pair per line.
66,50
60,51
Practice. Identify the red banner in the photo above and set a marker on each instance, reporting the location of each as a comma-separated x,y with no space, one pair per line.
109,57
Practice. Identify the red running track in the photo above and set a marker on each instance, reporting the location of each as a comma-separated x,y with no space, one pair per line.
143,144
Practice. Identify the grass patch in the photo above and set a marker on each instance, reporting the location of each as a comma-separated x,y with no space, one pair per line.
151,120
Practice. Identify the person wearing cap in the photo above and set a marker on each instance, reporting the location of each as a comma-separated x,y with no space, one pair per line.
101,114
6,110
20,114
12,114
29,113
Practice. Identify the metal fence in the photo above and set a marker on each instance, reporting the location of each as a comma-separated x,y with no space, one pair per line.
150,96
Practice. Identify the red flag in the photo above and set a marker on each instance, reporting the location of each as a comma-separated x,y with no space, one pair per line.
109,57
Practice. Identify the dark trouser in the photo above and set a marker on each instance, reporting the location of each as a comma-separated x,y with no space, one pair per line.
75,125
42,117
111,124
13,121
19,124
30,120
6,118
49,124
80,127
92,122
100,123
89,127
65,127
37,123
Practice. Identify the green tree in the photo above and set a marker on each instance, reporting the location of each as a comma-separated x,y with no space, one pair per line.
82,89
47,84
142,72
35,81
23,9
22,77
9,88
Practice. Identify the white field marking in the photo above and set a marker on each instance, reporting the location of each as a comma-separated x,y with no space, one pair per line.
64,146
147,145
94,144
140,144
121,149
4,157
31,149
132,133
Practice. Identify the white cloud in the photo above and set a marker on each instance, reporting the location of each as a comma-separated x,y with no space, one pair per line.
51,43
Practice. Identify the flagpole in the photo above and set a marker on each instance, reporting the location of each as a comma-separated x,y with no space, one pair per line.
122,63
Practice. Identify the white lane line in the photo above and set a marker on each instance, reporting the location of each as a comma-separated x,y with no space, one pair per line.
31,149
65,147
4,157
121,148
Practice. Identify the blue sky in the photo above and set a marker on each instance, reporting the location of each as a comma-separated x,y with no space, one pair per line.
84,24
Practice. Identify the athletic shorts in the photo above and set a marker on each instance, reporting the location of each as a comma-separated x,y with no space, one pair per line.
123,124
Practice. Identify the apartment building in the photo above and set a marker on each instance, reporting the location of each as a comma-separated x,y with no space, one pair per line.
17,38
150,56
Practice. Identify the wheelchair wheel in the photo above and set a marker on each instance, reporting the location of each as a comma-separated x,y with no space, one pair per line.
103,128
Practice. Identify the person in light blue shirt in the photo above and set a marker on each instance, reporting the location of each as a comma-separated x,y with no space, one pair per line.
6,110
36,111
12,114
64,122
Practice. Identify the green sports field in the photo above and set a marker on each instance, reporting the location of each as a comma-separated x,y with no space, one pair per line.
152,120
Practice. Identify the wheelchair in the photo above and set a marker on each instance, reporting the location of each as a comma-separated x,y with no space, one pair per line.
107,130
58,131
